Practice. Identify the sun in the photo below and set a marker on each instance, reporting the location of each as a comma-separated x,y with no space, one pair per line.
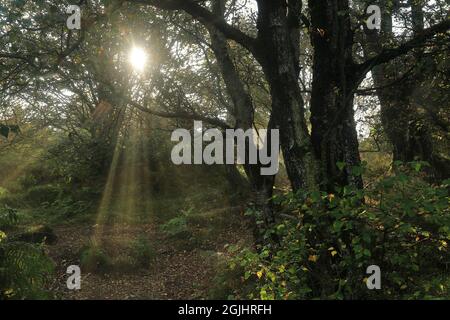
138,59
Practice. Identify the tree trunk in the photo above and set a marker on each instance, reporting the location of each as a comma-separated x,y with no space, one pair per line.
335,79
243,114
278,56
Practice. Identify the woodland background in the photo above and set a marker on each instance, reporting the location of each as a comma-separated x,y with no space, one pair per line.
85,170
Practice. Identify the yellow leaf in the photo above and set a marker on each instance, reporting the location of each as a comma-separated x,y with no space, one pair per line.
313,258
2,235
259,274
9,292
333,253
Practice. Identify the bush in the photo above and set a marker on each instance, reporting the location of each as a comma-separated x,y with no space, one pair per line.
142,252
41,194
177,227
8,217
94,259
9,199
67,207
184,231
401,224
229,277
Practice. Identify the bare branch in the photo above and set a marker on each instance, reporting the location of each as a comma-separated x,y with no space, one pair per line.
419,40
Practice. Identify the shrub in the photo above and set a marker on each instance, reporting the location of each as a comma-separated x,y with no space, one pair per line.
227,279
8,217
401,224
176,227
67,207
41,194
94,259
9,199
142,252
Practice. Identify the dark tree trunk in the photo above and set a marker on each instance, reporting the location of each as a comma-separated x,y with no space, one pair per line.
243,113
335,79
278,55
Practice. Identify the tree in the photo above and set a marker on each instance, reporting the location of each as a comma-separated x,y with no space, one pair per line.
409,120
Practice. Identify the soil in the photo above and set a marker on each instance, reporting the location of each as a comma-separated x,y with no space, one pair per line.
180,270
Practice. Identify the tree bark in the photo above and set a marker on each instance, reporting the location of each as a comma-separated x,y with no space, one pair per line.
243,114
277,54
335,79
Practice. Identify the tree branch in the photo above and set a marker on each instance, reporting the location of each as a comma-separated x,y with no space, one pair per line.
387,55
180,115
205,17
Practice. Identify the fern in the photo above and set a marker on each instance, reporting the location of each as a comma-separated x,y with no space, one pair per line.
24,270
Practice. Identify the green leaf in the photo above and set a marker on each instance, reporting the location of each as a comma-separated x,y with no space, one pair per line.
340,165
357,171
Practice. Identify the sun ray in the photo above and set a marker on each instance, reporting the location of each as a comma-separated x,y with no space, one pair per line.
31,157
107,195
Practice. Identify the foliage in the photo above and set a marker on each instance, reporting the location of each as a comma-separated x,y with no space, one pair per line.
8,217
24,270
41,194
142,252
400,224
78,158
24,267
176,227
80,128
94,259
229,277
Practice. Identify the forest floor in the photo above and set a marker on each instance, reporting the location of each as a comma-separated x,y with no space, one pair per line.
137,233
176,273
